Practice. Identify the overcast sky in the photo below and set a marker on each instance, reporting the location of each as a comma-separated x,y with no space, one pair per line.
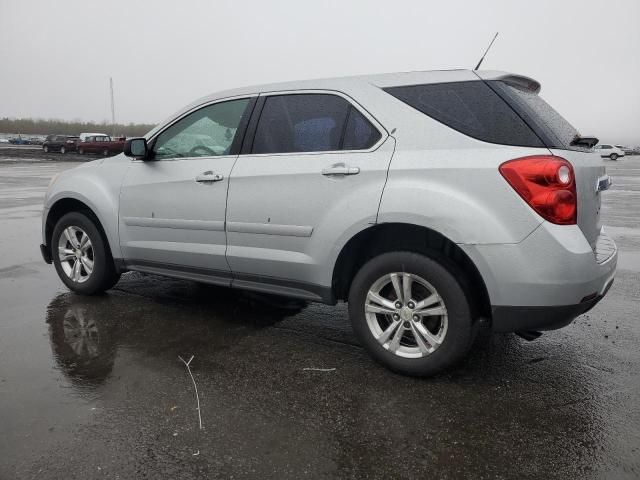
56,57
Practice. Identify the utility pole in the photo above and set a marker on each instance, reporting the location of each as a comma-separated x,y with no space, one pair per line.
113,110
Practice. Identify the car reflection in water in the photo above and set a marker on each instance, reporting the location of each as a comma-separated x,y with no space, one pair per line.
86,333
83,337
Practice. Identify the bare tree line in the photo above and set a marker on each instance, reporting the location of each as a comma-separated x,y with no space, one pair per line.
31,126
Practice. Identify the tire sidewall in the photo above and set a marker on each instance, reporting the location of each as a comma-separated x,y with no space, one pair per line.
102,262
614,157
459,330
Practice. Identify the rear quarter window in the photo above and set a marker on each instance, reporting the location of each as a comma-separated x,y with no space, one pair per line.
470,107
553,128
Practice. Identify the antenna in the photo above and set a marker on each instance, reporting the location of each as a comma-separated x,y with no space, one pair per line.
485,52
113,109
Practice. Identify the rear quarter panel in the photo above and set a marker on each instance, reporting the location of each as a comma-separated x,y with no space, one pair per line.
459,193
449,182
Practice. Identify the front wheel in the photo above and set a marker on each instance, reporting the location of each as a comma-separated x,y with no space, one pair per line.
46,149
81,256
614,156
410,313
63,150
105,152
81,151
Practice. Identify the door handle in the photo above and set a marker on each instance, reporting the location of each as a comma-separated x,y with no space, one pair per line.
209,177
340,170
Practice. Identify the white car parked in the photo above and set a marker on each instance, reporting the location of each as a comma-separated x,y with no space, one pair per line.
609,151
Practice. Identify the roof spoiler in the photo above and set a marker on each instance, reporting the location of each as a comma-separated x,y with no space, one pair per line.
517,81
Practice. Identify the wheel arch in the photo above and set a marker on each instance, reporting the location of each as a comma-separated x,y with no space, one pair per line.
387,237
66,205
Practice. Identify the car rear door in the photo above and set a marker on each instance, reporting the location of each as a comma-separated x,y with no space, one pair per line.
312,163
172,207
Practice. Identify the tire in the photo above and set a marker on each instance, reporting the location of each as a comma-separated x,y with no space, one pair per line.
613,156
81,151
105,152
63,150
46,148
103,274
430,279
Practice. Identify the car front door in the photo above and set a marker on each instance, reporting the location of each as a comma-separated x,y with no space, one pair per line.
172,206
312,165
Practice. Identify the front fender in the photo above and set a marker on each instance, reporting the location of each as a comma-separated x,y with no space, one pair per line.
98,187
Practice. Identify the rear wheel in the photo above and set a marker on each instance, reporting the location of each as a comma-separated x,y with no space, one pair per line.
45,148
81,256
105,152
410,313
613,156
81,151
63,149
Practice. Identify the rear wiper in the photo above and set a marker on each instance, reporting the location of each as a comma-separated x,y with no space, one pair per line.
588,142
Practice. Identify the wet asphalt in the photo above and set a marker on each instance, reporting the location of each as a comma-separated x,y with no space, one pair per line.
92,387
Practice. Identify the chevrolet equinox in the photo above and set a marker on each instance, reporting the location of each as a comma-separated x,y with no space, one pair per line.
432,202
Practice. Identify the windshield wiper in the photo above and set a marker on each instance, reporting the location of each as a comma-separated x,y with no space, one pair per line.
588,142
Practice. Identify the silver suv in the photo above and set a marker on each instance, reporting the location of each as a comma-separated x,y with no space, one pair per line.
432,202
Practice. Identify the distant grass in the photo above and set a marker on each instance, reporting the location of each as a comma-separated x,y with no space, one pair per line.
31,126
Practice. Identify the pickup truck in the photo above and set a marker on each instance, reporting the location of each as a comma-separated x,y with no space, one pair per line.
101,144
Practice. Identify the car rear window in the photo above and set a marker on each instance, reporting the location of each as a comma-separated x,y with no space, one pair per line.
314,122
552,127
472,108
359,134
300,123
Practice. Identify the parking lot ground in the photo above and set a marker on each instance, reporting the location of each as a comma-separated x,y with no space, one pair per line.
92,387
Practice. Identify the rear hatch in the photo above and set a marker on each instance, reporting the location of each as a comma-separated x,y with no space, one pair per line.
557,134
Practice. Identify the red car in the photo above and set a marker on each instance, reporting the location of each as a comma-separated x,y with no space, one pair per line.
101,144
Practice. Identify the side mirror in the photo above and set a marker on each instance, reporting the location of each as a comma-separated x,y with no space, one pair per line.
136,148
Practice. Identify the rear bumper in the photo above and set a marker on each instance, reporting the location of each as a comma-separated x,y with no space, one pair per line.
514,319
547,280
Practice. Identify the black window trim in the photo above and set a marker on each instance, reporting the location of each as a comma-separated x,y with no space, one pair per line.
247,145
240,133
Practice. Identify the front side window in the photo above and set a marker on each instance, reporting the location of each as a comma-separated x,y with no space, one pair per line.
315,122
207,132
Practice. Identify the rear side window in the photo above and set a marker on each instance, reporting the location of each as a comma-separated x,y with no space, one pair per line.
311,123
472,108
547,122
359,134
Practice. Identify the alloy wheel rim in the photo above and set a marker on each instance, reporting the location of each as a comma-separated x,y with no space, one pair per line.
406,315
75,252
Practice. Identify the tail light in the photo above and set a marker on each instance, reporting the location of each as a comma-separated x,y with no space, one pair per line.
547,184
